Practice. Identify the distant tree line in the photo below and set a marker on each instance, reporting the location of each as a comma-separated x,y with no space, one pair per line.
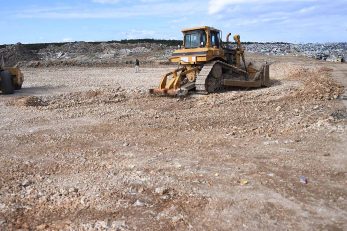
38,46
156,41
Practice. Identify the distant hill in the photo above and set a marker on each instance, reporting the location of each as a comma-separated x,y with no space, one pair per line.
150,51
38,46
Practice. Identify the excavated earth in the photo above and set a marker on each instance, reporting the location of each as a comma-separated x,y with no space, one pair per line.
89,149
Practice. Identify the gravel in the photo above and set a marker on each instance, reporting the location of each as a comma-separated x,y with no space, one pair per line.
89,149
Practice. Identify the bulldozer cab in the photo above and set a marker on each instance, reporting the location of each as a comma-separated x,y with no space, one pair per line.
205,37
200,45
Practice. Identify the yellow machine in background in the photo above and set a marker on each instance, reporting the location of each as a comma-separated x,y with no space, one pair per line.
207,65
11,78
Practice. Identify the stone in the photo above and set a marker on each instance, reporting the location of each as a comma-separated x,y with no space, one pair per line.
102,225
270,142
73,190
26,183
178,165
161,190
138,203
131,166
42,227
2,206
177,218
119,225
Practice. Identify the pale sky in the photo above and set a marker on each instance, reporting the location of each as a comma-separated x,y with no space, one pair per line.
36,21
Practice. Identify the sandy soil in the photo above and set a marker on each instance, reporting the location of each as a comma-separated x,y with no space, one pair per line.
89,149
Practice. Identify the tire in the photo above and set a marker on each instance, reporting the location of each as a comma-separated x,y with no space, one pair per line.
17,86
6,83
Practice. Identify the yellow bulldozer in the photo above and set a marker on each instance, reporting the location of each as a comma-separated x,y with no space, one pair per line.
207,65
11,78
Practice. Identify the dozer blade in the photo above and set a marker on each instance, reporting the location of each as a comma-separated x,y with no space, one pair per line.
164,91
258,76
169,87
182,91
177,85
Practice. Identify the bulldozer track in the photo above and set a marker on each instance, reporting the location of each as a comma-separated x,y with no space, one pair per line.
200,82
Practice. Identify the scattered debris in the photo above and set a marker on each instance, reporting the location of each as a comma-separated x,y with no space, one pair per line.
303,180
243,182
26,183
139,203
333,52
115,53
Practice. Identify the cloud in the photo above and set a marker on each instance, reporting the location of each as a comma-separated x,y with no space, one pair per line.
106,1
126,1
216,6
128,9
307,9
255,20
137,34
67,40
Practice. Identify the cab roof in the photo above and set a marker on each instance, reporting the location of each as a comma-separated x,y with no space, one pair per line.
199,28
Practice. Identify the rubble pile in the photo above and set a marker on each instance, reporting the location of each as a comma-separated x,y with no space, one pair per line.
14,54
333,52
85,54
269,48
149,53
318,85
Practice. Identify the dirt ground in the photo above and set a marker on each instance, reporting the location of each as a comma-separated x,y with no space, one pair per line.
89,149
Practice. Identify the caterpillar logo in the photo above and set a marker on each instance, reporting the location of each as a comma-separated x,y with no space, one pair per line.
188,59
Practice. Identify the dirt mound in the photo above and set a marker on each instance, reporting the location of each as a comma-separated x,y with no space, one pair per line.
102,54
85,54
28,101
17,53
56,51
75,99
78,99
317,84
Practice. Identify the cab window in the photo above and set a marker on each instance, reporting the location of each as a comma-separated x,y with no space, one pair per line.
194,39
215,38
203,40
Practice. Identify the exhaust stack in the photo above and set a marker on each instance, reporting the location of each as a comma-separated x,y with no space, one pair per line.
228,35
